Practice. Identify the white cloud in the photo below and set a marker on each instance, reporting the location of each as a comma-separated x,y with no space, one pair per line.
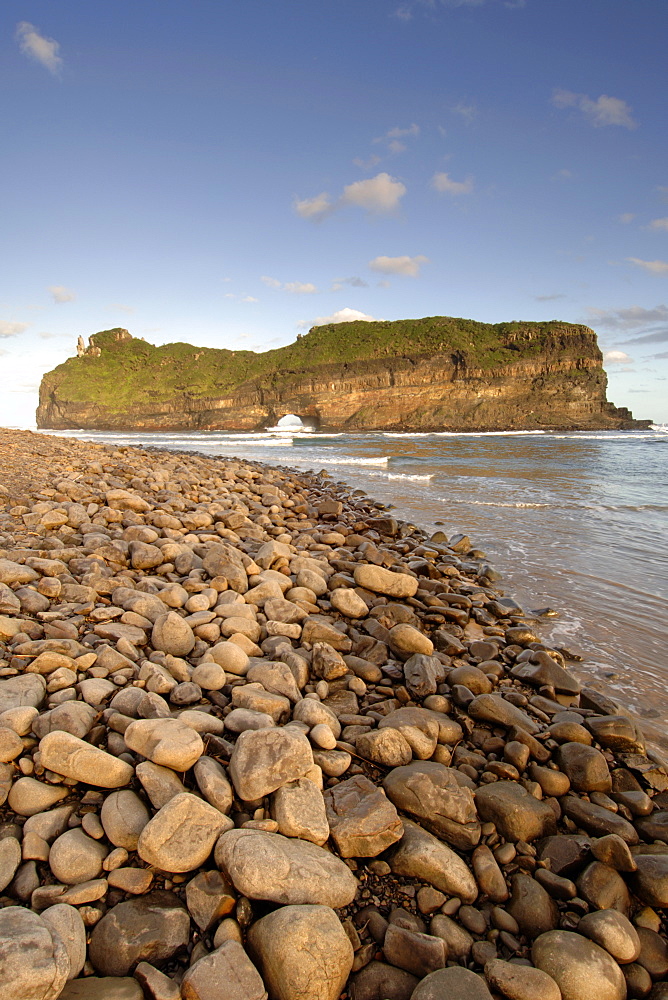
408,266
466,111
9,329
43,50
342,316
617,358
444,184
393,138
379,195
661,224
314,208
116,306
53,336
249,298
652,266
626,217
367,164
602,111
271,282
61,294
354,281
300,287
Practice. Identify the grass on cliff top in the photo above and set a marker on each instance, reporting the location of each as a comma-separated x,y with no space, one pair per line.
131,371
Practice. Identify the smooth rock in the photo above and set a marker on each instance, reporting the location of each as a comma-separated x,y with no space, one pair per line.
531,906
181,835
299,809
650,881
26,689
67,755
378,981
384,746
10,859
581,969
168,742
362,820
209,896
34,964
172,634
75,857
516,814
151,928
265,759
612,931
421,855
383,581
27,796
303,951
586,767
521,982
452,984
124,816
268,866
225,974
212,781
106,988
431,792
65,921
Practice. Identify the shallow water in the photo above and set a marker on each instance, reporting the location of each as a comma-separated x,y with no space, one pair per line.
575,521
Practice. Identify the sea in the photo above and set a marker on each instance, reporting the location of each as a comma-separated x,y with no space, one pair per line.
577,522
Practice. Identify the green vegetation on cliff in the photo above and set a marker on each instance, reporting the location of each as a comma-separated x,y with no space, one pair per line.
126,371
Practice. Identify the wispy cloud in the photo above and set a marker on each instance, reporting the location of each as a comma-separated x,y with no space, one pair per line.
604,110
61,294
116,307
467,111
354,282
11,329
626,217
367,164
393,139
407,266
407,10
660,224
346,315
444,184
294,287
548,298
38,47
631,318
651,266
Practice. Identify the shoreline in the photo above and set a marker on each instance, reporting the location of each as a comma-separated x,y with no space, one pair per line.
398,706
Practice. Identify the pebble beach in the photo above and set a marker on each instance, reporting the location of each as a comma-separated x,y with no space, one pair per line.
259,738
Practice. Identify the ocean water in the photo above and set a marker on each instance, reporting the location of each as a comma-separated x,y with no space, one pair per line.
574,521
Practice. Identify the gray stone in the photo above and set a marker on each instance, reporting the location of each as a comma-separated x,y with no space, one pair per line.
34,964
160,783
28,796
495,709
106,988
168,742
422,674
74,857
432,794
299,809
265,759
172,634
303,951
10,859
362,820
383,581
417,726
349,603
277,678
225,974
581,969
65,922
73,758
423,856
454,984
457,939
384,746
75,717
124,816
516,814
531,906
151,928
413,951
26,689
181,835
521,982
268,866
378,981
212,782
315,713
209,896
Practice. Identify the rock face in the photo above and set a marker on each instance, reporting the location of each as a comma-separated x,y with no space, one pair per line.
411,374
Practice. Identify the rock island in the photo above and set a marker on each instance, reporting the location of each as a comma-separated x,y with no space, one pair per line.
431,374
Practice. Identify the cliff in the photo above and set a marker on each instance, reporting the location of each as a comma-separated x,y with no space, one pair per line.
436,373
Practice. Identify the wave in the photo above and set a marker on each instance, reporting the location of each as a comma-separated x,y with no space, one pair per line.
405,475
346,460
463,434
499,503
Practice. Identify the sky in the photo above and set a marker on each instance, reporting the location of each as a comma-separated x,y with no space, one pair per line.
230,174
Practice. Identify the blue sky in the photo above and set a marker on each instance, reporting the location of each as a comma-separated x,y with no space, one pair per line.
228,174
